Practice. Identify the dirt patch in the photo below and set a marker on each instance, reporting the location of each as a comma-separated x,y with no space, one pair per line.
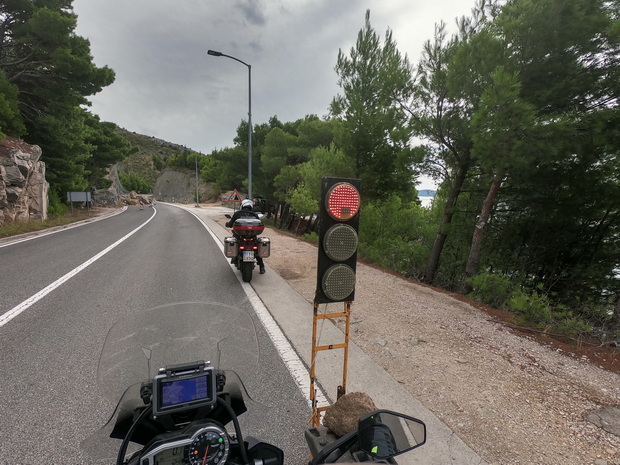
512,394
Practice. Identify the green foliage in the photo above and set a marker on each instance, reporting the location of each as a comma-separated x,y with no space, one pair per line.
568,323
501,124
285,182
311,237
104,183
376,80
107,148
210,168
186,159
532,307
524,97
133,182
492,289
158,162
10,118
52,69
324,161
538,308
228,169
148,155
275,154
302,203
56,207
395,235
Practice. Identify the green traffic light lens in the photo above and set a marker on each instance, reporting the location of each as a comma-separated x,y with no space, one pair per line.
342,201
340,242
338,282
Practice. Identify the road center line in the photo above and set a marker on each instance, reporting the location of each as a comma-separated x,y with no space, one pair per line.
8,316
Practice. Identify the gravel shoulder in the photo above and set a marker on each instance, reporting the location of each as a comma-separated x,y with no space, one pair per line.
512,397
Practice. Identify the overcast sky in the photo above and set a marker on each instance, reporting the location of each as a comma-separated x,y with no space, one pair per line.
168,87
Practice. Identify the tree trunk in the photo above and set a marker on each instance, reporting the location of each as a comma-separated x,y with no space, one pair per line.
615,318
308,229
433,259
286,216
473,261
290,219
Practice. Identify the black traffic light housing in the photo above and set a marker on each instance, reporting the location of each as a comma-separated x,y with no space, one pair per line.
338,240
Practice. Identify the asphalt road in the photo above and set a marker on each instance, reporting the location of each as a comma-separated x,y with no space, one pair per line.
49,349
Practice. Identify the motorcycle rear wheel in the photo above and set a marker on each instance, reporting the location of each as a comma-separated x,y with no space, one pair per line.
246,271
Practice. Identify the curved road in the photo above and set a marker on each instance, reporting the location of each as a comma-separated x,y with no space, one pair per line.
91,276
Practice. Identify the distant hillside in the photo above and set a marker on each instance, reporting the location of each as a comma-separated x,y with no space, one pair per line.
426,193
144,162
149,163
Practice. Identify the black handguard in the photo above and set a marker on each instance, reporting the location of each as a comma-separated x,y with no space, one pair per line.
378,440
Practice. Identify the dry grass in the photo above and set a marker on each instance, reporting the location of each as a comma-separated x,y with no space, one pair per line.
22,227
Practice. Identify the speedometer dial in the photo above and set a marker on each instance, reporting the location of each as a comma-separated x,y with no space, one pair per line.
209,446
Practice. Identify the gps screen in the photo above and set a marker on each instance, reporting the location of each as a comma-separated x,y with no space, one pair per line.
181,391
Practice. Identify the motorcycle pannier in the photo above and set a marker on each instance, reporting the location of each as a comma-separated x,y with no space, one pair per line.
231,248
264,247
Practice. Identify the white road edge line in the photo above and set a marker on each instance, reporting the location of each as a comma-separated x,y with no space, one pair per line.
288,355
8,316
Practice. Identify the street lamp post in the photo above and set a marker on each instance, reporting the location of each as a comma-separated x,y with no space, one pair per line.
220,54
197,206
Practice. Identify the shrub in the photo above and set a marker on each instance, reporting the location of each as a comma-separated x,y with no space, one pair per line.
133,182
533,308
396,234
311,237
491,289
56,208
567,322
158,162
405,257
104,183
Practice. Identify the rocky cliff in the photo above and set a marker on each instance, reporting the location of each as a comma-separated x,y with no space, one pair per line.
23,188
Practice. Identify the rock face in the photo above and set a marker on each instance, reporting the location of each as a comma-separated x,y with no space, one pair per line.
23,188
181,186
106,197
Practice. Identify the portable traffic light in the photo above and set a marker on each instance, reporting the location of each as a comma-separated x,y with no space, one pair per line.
339,222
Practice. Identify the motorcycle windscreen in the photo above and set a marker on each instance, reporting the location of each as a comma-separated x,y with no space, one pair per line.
137,346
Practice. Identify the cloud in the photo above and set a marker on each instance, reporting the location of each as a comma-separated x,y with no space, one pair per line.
253,10
168,87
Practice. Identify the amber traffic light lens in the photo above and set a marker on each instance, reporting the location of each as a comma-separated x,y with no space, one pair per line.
340,242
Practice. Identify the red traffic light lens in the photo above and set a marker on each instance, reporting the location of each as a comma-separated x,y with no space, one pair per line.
342,201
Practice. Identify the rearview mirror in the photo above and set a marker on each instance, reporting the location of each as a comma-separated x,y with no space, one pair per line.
385,434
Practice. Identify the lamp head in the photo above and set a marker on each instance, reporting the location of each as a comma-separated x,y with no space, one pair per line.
214,53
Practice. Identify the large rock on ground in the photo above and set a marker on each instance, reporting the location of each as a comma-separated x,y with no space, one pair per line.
23,188
344,415
106,197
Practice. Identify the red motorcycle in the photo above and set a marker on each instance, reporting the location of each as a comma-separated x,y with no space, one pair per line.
245,248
